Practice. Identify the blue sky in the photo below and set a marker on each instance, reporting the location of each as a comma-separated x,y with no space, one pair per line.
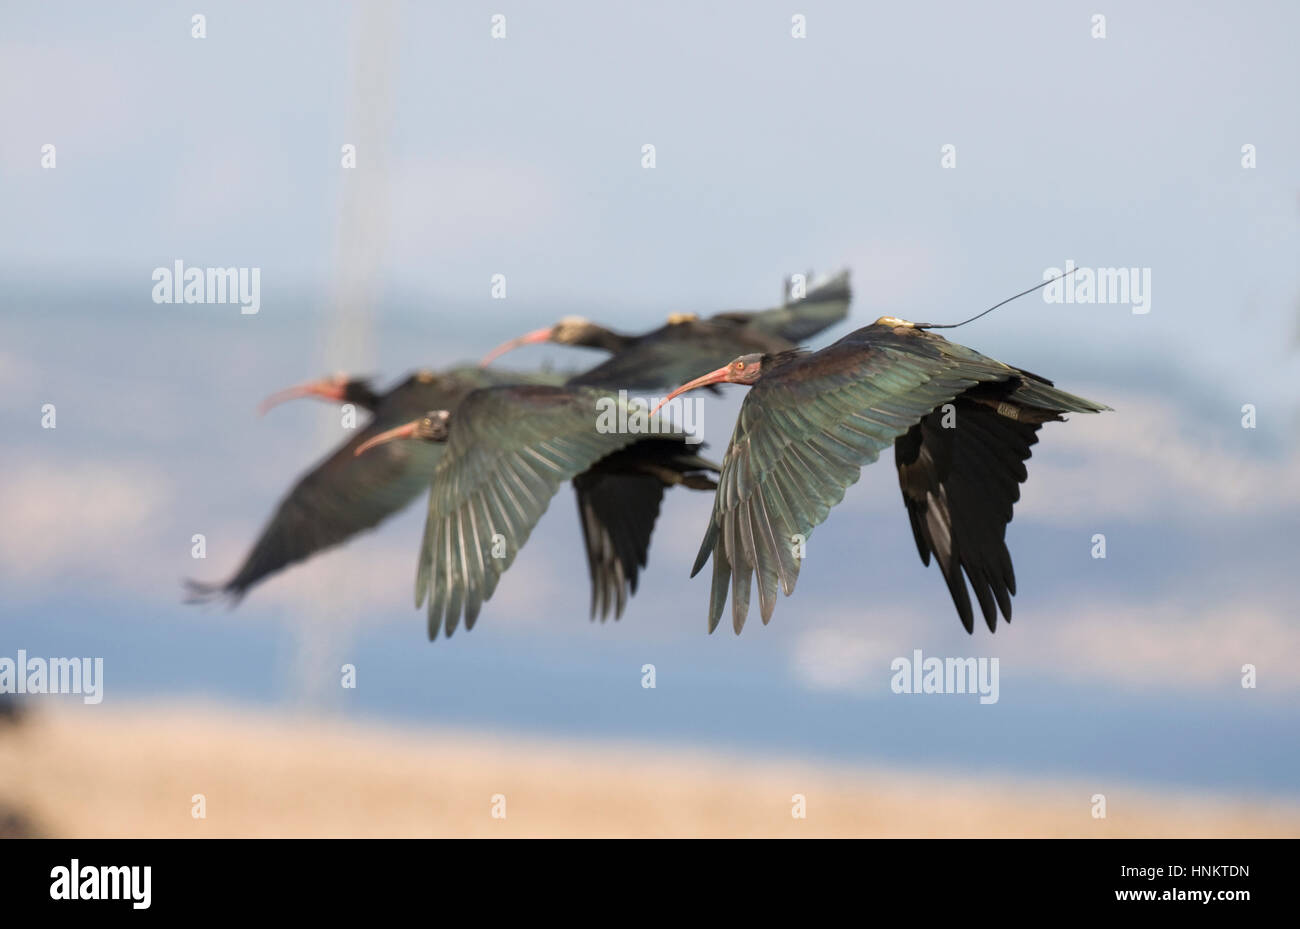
522,156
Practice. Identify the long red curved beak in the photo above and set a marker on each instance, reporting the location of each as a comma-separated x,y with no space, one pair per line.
326,388
537,335
404,431
722,375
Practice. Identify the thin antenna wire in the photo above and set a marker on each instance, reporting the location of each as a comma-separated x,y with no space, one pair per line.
1050,280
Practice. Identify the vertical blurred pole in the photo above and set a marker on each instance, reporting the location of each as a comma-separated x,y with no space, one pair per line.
323,641
363,215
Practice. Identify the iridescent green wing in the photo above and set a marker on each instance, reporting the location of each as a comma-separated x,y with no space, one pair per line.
509,450
805,431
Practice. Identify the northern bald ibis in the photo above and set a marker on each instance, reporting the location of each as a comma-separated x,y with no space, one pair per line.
812,420
344,495
685,344
508,450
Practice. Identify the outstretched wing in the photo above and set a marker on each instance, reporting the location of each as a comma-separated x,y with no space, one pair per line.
960,472
823,306
803,435
618,503
509,451
345,494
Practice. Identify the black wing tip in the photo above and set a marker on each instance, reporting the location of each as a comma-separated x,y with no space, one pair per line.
966,613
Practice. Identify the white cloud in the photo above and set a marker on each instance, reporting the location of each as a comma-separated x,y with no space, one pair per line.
90,519
1169,644
1143,461
1158,645
835,660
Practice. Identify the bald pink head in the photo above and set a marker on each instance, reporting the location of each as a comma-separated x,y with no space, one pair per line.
744,370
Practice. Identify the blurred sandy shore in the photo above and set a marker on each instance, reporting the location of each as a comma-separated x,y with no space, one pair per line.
133,771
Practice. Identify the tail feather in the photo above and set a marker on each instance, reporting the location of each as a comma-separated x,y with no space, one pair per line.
1034,391
202,592
835,287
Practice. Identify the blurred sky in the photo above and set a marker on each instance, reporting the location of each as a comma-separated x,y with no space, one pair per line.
522,156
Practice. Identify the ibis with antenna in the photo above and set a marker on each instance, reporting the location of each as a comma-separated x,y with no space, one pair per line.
961,424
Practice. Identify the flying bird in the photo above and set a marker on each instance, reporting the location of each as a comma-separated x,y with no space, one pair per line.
507,451
687,343
961,425
343,494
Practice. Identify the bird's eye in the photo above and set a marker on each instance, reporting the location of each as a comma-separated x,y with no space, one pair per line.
740,366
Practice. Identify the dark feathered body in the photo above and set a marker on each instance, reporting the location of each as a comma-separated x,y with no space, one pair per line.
670,354
688,344
345,494
961,424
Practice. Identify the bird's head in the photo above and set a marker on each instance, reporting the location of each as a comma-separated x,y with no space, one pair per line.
744,370
337,388
433,426
571,330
